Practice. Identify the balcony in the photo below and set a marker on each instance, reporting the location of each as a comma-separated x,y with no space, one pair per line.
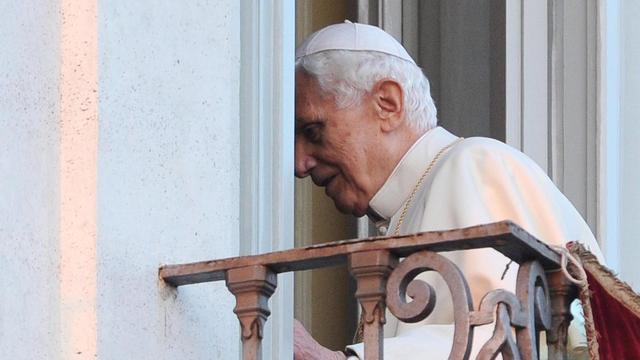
385,268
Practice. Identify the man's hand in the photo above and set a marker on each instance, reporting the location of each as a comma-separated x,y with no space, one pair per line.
306,348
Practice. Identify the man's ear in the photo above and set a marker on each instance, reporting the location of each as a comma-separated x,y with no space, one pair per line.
388,99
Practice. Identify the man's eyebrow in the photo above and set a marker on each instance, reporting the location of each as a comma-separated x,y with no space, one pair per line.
301,122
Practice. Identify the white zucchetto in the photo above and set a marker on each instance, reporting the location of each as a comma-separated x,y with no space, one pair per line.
353,37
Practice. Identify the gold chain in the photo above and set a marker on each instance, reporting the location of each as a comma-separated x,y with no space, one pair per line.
407,204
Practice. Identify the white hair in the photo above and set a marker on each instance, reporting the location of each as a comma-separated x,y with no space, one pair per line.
349,75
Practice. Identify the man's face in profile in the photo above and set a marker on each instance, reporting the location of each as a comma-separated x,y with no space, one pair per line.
335,146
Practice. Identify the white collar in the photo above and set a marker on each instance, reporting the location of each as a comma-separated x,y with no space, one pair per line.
398,186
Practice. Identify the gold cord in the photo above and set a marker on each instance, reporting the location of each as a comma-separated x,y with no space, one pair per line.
407,203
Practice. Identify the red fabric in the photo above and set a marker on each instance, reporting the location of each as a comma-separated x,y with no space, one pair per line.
617,326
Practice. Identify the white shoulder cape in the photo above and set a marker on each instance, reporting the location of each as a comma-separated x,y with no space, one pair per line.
477,181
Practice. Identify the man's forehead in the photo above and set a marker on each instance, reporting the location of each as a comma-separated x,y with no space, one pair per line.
310,102
306,85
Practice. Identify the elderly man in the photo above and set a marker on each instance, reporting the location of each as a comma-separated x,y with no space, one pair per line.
366,131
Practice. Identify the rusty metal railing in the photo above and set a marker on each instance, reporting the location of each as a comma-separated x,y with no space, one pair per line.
385,268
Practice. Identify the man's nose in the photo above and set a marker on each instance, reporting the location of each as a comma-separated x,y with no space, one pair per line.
304,162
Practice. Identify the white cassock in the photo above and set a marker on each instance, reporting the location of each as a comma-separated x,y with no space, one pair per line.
477,181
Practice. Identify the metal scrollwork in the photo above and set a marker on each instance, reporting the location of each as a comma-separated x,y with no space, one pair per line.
533,291
527,311
402,283
508,312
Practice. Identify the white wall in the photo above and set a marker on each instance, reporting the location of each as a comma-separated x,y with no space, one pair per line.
29,179
166,164
629,176
167,175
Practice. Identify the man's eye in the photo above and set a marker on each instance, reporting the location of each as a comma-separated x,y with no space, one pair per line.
312,132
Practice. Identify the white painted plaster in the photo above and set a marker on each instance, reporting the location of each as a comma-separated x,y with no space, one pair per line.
168,175
157,179
609,226
29,108
629,147
78,128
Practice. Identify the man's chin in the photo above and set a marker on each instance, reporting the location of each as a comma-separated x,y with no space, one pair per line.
349,209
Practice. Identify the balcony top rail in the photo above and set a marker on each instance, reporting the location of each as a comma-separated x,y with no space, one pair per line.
385,269
505,236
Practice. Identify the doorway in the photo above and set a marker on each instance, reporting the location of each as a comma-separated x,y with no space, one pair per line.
460,45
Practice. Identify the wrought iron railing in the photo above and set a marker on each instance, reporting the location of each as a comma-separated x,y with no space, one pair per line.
385,268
